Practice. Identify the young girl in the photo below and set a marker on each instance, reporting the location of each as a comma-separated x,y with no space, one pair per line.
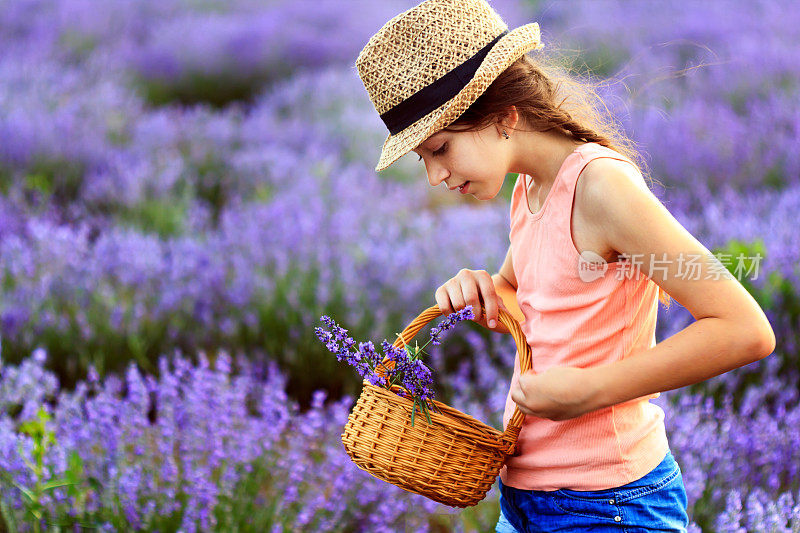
592,251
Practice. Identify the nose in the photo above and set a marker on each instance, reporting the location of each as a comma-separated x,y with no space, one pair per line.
436,174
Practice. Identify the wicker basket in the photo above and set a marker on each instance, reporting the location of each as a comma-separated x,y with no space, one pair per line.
455,460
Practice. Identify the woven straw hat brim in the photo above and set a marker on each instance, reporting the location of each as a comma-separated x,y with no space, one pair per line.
507,50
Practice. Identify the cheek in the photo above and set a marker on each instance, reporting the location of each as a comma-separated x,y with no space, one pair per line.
489,166
481,163
474,159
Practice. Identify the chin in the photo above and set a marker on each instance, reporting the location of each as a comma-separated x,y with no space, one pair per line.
492,194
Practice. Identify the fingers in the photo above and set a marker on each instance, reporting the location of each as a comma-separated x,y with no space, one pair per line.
449,297
490,298
443,300
470,295
471,287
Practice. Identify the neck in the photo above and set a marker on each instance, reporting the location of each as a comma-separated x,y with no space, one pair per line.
541,154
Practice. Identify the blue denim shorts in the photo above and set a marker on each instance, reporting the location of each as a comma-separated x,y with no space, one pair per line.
654,502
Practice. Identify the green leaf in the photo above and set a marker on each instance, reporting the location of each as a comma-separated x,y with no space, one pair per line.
28,494
53,483
28,427
413,410
428,416
75,463
43,415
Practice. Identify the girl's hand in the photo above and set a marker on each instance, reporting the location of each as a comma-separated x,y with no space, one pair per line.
476,288
558,393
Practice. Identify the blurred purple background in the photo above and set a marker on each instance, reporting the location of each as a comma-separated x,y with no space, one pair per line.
188,185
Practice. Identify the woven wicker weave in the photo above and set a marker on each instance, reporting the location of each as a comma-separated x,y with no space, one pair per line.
454,461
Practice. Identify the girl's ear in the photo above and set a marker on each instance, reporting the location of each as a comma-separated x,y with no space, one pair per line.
509,119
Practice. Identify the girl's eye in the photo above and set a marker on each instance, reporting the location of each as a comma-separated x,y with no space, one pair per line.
440,151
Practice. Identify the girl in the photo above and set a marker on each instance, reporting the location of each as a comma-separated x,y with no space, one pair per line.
591,252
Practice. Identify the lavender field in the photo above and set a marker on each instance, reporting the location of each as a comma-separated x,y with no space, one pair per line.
186,186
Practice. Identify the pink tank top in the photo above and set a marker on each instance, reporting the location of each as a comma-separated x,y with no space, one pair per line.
574,320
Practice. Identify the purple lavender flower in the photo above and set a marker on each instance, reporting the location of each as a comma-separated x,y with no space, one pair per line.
449,322
377,380
403,366
332,338
419,380
365,358
397,356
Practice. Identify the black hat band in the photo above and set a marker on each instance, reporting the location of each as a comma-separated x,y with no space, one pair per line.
437,93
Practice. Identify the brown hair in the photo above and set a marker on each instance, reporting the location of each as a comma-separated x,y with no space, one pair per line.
547,96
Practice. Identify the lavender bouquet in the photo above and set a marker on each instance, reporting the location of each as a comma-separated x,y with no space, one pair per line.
409,371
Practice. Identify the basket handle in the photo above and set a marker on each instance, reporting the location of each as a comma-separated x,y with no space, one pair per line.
515,422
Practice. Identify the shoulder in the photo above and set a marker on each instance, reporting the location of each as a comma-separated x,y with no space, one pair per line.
608,185
612,172
615,197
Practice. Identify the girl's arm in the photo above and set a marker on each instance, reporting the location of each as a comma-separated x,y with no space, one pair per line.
505,287
730,330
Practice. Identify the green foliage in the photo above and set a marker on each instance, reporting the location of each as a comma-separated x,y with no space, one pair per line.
306,362
507,190
73,479
217,89
283,332
209,180
78,44
53,180
775,178
6,179
415,353
70,353
164,217
704,512
776,295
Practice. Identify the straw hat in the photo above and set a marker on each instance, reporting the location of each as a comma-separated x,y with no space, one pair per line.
427,65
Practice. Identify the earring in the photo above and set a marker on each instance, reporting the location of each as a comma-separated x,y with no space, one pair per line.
505,134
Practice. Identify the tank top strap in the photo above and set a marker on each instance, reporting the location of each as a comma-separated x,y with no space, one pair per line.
593,150
586,153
